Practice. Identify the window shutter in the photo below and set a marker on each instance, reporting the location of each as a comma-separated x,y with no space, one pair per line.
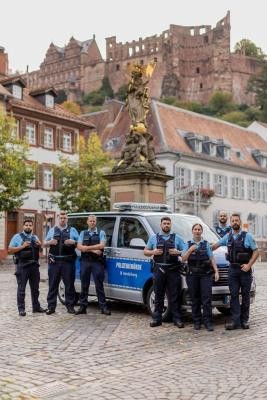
41,130
40,176
59,139
225,186
197,177
258,189
187,177
23,128
249,189
241,183
232,187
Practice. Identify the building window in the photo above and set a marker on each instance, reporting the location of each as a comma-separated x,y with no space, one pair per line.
198,146
48,179
32,183
15,130
182,177
264,191
237,188
48,138
117,67
202,179
221,185
17,91
31,133
66,143
197,70
201,86
253,224
254,189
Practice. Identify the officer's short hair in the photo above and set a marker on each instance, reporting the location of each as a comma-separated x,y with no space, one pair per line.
165,219
198,225
236,215
27,220
62,213
92,216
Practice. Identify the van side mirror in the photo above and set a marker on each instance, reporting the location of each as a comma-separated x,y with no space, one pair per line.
137,243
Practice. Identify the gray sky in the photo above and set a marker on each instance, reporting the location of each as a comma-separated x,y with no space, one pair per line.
28,26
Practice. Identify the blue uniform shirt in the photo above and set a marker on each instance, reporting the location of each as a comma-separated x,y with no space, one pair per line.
74,235
102,235
222,230
17,240
152,241
249,241
186,247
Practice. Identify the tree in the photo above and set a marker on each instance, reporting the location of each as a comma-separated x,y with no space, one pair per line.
258,84
15,172
97,97
121,93
248,48
61,96
221,103
82,186
72,107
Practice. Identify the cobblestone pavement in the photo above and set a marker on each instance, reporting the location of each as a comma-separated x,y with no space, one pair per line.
120,357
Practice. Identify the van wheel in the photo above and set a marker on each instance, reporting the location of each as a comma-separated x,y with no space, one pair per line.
61,294
224,311
150,303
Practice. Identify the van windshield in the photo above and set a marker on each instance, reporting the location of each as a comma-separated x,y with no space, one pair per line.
182,225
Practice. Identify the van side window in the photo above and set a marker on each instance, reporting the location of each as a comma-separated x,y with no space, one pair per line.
130,228
107,225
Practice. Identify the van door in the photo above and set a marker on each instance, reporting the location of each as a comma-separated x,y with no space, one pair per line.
128,268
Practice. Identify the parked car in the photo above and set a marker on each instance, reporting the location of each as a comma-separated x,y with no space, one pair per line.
128,275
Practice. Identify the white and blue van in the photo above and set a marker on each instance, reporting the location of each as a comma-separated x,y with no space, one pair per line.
128,274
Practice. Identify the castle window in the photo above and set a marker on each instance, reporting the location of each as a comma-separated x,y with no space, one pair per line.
130,51
197,70
117,67
110,45
201,86
155,59
202,30
142,62
137,48
192,32
143,47
206,39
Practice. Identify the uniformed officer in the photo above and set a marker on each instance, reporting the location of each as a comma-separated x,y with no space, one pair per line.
242,254
165,247
62,241
91,243
26,248
198,254
223,227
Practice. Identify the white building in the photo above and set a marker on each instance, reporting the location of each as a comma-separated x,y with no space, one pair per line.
50,131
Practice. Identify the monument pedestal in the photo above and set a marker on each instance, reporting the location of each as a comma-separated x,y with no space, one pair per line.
139,186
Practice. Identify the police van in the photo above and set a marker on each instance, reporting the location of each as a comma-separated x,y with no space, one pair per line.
128,272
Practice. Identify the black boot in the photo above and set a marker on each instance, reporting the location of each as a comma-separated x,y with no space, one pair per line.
71,310
81,310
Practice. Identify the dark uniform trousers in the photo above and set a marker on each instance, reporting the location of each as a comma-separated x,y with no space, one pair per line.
170,282
95,268
23,275
200,289
57,270
239,279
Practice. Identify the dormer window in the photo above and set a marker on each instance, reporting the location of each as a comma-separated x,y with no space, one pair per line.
49,101
194,141
209,147
223,150
17,91
260,157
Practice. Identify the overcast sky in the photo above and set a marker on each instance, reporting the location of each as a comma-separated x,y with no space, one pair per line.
27,27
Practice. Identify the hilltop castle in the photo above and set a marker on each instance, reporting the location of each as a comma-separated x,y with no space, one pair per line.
192,62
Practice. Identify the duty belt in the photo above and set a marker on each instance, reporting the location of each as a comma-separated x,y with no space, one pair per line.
166,267
199,270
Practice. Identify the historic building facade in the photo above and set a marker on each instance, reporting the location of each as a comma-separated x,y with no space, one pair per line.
192,62
51,131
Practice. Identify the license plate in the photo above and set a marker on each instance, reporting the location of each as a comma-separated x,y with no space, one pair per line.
226,299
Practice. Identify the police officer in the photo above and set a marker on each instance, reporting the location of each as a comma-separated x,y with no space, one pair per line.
242,254
222,228
165,247
198,254
62,241
91,243
26,248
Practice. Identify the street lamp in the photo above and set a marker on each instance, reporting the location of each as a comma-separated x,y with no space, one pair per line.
46,205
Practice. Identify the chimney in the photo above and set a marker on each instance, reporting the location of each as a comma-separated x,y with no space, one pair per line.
3,62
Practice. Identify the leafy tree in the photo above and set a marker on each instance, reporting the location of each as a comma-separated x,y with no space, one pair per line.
61,96
258,84
82,186
221,103
122,93
236,117
72,107
15,172
248,48
97,97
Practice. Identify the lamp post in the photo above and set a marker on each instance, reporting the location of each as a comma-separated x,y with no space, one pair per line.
46,206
